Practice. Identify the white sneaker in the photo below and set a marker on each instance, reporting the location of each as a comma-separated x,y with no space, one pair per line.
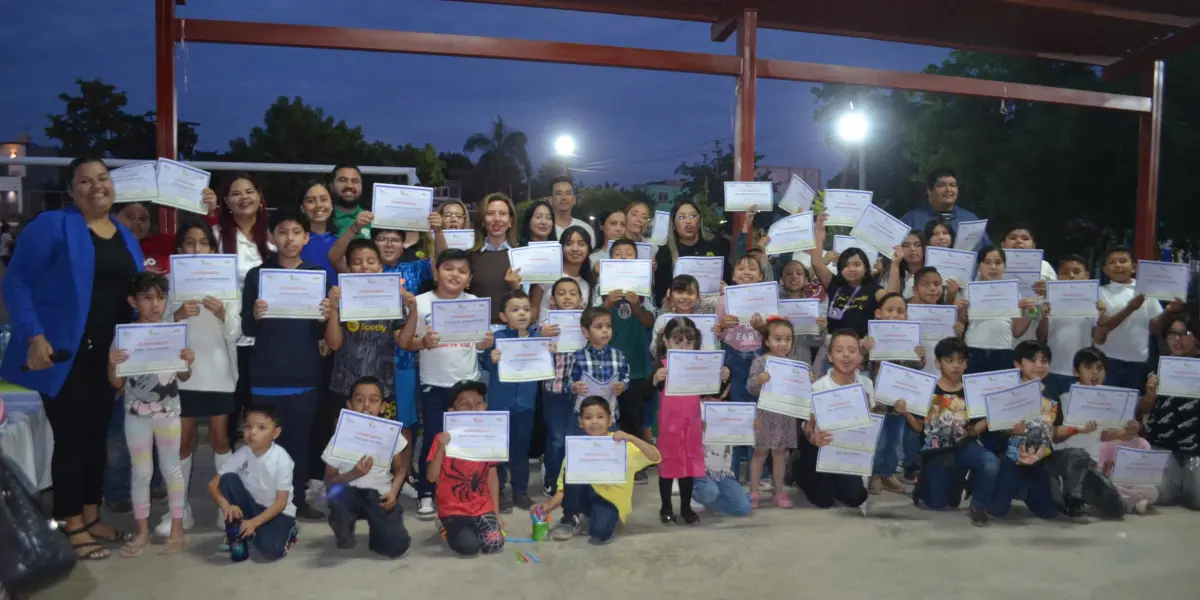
425,509
409,491
696,506
163,529
764,485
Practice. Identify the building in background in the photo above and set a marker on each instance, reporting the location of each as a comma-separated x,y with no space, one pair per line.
663,192
27,190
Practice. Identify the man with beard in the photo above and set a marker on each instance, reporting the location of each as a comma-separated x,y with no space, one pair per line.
941,186
347,190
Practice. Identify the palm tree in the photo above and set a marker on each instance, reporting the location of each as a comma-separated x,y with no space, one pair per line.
505,160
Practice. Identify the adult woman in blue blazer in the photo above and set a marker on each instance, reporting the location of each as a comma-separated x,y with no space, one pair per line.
66,290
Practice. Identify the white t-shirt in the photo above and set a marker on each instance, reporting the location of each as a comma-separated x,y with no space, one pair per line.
585,296
215,345
378,479
248,257
264,476
449,363
1047,274
988,334
1066,337
580,222
826,383
1131,341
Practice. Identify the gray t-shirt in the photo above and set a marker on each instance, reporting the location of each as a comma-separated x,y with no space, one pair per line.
368,348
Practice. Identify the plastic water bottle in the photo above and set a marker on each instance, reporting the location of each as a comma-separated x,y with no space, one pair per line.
5,335
238,551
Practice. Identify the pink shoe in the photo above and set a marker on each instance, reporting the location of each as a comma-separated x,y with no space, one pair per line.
781,500
754,500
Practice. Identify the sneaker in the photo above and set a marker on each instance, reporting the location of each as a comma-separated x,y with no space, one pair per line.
891,484
292,539
410,488
163,529
549,491
641,478
876,486
506,504
909,476
1141,506
305,512
667,517
425,509
979,517
523,502
566,529
1100,492
1074,507
697,507
765,486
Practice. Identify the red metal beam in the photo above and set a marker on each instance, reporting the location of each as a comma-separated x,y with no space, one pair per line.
1110,11
1142,58
166,124
1149,144
925,82
745,100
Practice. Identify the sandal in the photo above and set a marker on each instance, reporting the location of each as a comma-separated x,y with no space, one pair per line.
97,551
174,546
134,549
117,535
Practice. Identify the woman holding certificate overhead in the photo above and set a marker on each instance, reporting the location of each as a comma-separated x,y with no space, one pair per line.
853,293
1173,418
495,235
66,290
685,238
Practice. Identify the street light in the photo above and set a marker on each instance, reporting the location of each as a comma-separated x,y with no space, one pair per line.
564,145
852,127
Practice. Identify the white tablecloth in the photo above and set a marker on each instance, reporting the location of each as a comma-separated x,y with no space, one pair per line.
25,435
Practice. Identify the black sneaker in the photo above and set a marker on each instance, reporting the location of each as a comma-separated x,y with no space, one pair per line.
506,504
1074,507
306,512
979,517
523,502
1100,492
641,478
549,491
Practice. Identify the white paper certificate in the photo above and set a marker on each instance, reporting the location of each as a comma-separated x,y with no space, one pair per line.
604,389
841,408
915,388
799,196
570,332
937,320
745,301
1107,406
844,207
791,234
461,320
1073,299
976,386
459,239
1163,280
194,276
1139,467
645,251
862,439
969,234
542,263
705,323
958,265
880,229
403,207
694,372
1017,260
994,299
707,270
135,183
181,186
729,423
789,391
894,340
1179,376
844,461
1025,283
802,314
477,436
594,460
525,359
625,275
370,297
292,293
358,435
740,196
1006,408
662,226
842,243
152,348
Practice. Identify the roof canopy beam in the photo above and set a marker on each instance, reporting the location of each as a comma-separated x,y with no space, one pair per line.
1145,58
1108,10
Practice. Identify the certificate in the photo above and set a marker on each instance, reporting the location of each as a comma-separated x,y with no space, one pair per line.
195,276
881,230
152,348
756,298
894,340
477,436
181,186
135,183
1073,299
708,271
862,439
1006,408
705,323
976,386
1022,261
789,391
842,243
358,435
1025,283
459,239
1132,466
292,293
844,207
791,234
1107,406
729,423
604,389
1178,376
570,332
370,297
969,234
841,408
937,320
694,372
662,226
626,276
645,251
525,359
542,263
958,265
993,299
741,196
461,320
594,460
895,382
844,461
1163,280
802,314
403,207
799,196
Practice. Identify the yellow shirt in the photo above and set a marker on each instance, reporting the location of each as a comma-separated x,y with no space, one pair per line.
620,495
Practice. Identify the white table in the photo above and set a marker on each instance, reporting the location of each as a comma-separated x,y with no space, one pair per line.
25,436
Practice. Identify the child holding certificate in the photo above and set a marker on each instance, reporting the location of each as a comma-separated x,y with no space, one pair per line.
991,340
682,299
1125,335
853,293
575,249
892,307
557,408
1173,422
797,283
775,433
598,359
152,419
907,260
1066,336
741,341
632,319
604,504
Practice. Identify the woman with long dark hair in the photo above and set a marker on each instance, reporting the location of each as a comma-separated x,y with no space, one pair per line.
686,237
538,224
317,204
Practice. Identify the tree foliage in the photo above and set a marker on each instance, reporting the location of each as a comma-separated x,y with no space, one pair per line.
504,163
95,122
704,181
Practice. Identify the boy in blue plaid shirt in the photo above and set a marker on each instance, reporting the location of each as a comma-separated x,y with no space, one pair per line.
557,403
597,360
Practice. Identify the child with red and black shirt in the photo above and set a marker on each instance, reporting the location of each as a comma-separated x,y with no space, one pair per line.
467,492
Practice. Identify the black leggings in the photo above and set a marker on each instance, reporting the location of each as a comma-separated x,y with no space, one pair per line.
79,416
685,494
241,393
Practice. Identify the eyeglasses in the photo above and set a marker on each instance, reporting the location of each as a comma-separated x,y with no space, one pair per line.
1177,334
686,217
388,241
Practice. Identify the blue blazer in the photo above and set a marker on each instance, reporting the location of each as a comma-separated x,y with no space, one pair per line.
48,291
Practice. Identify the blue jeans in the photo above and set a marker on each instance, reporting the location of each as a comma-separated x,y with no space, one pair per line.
739,371
939,479
912,448
271,538
723,495
1034,480
983,361
1056,385
520,430
581,499
558,411
887,449
433,408
1129,375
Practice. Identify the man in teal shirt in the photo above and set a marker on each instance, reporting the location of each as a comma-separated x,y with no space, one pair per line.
347,190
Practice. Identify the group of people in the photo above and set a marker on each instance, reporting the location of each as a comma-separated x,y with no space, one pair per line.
80,272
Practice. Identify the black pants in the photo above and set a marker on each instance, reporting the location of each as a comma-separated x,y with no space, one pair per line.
633,404
325,422
823,489
537,441
241,394
388,536
469,536
296,413
79,417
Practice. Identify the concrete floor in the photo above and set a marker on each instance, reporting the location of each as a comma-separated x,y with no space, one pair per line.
896,551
